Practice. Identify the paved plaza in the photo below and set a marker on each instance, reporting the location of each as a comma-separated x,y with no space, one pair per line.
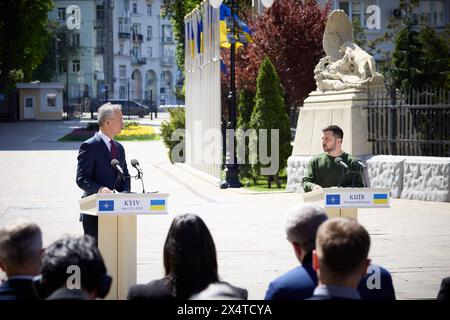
411,239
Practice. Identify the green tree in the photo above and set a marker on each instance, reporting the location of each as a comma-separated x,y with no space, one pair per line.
245,107
23,39
177,121
270,113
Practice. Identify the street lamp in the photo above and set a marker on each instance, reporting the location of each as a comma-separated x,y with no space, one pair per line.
232,167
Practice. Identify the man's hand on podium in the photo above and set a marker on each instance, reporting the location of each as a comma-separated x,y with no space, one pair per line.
316,187
105,190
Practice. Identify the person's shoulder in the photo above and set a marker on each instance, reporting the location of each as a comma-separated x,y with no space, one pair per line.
154,290
91,141
295,284
319,157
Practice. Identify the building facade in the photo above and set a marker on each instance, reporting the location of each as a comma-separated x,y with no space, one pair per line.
123,49
144,53
436,12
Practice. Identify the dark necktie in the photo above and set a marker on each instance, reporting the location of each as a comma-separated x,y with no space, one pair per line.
113,149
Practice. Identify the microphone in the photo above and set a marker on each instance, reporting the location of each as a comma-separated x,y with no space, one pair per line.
360,164
341,163
116,165
135,164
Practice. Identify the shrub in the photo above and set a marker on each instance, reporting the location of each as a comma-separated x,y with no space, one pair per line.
177,121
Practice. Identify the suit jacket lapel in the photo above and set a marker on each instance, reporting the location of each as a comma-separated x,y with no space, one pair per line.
103,146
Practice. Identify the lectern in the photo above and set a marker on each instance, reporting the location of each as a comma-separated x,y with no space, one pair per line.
117,232
344,202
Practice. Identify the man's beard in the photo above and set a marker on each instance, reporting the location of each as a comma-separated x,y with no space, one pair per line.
326,149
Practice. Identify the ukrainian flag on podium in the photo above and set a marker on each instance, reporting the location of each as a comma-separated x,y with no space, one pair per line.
380,198
158,205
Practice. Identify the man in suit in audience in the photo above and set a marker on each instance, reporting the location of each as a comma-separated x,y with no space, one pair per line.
299,283
20,258
340,259
95,173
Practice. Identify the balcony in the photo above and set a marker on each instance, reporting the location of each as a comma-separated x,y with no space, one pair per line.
138,60
123,34
167,61
167,40
138,37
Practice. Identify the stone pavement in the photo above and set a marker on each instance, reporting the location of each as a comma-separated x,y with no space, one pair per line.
411,238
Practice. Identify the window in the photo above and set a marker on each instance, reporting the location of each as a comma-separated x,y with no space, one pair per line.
121,49
134,8
149,52
76,40
61,14
28,102
356,9
136,28
100,13
121,92
149,33
135,52
149,9
51,100
433,12
76,66
167,33
122,71
62,66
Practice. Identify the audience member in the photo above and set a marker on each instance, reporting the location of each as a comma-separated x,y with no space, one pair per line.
444,291
190,262
20,258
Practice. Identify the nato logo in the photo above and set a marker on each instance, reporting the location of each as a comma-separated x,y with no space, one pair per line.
106,205
333,199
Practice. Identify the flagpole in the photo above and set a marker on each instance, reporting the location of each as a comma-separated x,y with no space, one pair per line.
232,167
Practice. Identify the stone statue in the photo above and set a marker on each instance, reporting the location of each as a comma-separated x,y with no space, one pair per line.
345,65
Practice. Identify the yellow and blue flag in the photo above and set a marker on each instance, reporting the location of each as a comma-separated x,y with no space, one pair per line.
200,35
380,198
225,12
158,205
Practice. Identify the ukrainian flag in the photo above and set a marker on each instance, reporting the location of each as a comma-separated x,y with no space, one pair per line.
191,38
200,35
380,198
158,205
225,12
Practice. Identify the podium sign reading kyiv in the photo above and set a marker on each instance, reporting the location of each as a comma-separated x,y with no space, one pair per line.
357,198
132,206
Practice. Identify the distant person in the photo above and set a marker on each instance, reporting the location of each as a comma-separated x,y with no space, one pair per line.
298,284
340,259
73,269
190,263
323,172
20,259
444,291
95,173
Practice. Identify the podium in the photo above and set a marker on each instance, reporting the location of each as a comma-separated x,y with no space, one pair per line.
344,202
117,232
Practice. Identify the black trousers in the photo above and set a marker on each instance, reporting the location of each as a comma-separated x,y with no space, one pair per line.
90,225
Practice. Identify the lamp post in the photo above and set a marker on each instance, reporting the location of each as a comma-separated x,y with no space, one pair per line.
232,167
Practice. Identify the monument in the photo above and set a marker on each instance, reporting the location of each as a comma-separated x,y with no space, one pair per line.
345,78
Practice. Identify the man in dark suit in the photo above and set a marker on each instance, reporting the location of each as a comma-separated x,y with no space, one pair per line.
95,173
20,258
300,282
340,259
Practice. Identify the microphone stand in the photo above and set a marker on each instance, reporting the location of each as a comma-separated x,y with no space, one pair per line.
139,176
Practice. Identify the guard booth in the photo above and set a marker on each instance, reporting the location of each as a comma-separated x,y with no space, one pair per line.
40,100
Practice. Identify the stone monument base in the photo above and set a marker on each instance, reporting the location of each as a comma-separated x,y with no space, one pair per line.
343,108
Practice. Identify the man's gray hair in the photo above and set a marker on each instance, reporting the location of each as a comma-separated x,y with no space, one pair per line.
107,111
302,224
20,243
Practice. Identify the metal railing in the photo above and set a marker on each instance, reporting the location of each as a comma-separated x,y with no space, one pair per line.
413,123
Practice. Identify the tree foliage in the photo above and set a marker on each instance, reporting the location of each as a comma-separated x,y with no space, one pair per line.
23,38
269,113
290,33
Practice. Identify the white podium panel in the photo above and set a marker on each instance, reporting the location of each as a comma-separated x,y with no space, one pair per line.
344,202
117,231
